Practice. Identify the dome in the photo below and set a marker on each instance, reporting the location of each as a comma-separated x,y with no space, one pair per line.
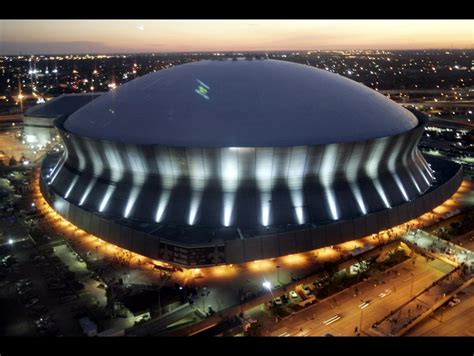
240,103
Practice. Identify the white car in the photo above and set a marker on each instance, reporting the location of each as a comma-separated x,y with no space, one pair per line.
385,293
277,301
293,294
454,302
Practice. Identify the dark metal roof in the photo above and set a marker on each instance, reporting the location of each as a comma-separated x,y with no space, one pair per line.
238,103
64,104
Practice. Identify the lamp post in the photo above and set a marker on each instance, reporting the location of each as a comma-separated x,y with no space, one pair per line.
159,292
278,274
203,295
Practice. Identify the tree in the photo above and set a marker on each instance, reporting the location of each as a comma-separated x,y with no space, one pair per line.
255,330
12,162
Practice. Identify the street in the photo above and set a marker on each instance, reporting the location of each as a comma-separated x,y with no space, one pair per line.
347,305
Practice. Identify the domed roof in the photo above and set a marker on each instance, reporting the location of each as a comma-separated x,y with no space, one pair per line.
240,103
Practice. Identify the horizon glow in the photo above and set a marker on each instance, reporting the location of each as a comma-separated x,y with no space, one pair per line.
139,36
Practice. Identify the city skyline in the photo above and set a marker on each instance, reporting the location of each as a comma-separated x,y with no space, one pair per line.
140,36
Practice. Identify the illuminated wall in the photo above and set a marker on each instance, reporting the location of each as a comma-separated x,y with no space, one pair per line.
245,187
187,247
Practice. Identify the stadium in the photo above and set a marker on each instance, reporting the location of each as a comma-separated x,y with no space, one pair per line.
236,160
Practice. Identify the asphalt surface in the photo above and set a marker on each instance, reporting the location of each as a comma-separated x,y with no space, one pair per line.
452,321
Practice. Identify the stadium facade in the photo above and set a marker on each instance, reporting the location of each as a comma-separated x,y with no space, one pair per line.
229,161
38,121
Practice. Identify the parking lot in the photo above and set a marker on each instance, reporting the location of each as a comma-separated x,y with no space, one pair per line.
43,290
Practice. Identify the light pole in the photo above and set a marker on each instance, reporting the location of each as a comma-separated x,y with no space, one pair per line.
278,274
203,299
159,292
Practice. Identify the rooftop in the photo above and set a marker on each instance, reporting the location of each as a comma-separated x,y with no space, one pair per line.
240,103
61,105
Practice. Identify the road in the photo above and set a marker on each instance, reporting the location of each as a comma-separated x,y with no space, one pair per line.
453,321
312,319
156,325
409,314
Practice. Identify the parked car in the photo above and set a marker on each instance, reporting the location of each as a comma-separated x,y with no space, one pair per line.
306,290
26,297
23,284
454,302
293,294
31,302
67,299
450,251
24,291
38,309
277,301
